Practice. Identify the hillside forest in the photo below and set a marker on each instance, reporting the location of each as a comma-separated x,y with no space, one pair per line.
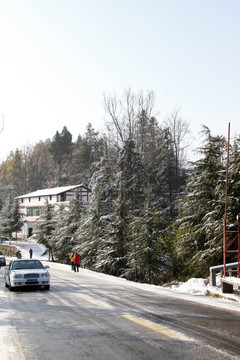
154,215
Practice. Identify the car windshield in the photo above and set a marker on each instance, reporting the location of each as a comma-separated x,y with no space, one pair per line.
27,264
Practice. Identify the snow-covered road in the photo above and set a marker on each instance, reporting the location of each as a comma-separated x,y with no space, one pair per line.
96,301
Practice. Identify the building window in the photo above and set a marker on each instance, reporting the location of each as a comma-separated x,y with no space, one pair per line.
36,211
29,199
39,198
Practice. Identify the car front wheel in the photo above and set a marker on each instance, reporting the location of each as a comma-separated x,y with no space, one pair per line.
10,287
46,287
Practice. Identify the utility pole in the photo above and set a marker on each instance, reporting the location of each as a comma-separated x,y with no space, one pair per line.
226,195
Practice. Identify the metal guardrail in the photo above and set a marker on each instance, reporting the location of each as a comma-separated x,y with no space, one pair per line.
216,269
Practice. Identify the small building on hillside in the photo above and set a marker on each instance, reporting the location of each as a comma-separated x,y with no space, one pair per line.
32,204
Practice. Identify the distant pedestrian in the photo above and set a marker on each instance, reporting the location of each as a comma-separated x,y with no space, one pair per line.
76,262
30,252
71,257
19,254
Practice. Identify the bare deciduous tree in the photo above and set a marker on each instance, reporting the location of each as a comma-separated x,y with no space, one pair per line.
179,129
124,113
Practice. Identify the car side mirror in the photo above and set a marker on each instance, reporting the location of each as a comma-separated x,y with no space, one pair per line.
46,267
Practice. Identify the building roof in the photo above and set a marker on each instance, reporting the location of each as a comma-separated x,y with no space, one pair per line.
52,191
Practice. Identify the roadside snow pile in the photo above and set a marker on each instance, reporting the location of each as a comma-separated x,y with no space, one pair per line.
201,287
193,286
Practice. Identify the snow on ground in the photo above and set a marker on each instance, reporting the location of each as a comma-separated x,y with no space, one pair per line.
201,287
10,347
194,286
197,290
194,290
38,249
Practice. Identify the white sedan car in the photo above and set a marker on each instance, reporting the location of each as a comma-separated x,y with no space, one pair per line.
26,272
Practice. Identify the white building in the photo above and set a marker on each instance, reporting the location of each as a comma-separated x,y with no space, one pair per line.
32,204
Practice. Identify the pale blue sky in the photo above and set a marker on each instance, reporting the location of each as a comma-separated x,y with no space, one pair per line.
58,57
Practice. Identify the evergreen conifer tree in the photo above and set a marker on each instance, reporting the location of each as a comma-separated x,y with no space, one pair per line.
93,236
232,202
200,223
10,217
148,259
233,191
132,182
60,240
45,228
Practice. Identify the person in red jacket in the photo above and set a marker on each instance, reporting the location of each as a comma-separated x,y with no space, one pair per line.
76,261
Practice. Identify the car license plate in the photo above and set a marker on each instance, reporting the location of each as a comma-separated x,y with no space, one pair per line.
31,280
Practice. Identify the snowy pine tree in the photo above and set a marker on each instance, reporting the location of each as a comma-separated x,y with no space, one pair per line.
234,182
200,223
147,259
232,201
10,217
45,228
93,236
66,223
132,180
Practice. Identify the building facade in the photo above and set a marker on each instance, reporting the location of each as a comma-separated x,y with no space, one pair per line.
32,204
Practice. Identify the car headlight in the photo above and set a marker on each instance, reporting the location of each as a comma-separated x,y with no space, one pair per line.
17,276
45,274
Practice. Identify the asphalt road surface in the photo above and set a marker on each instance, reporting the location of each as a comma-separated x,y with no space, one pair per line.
90,316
